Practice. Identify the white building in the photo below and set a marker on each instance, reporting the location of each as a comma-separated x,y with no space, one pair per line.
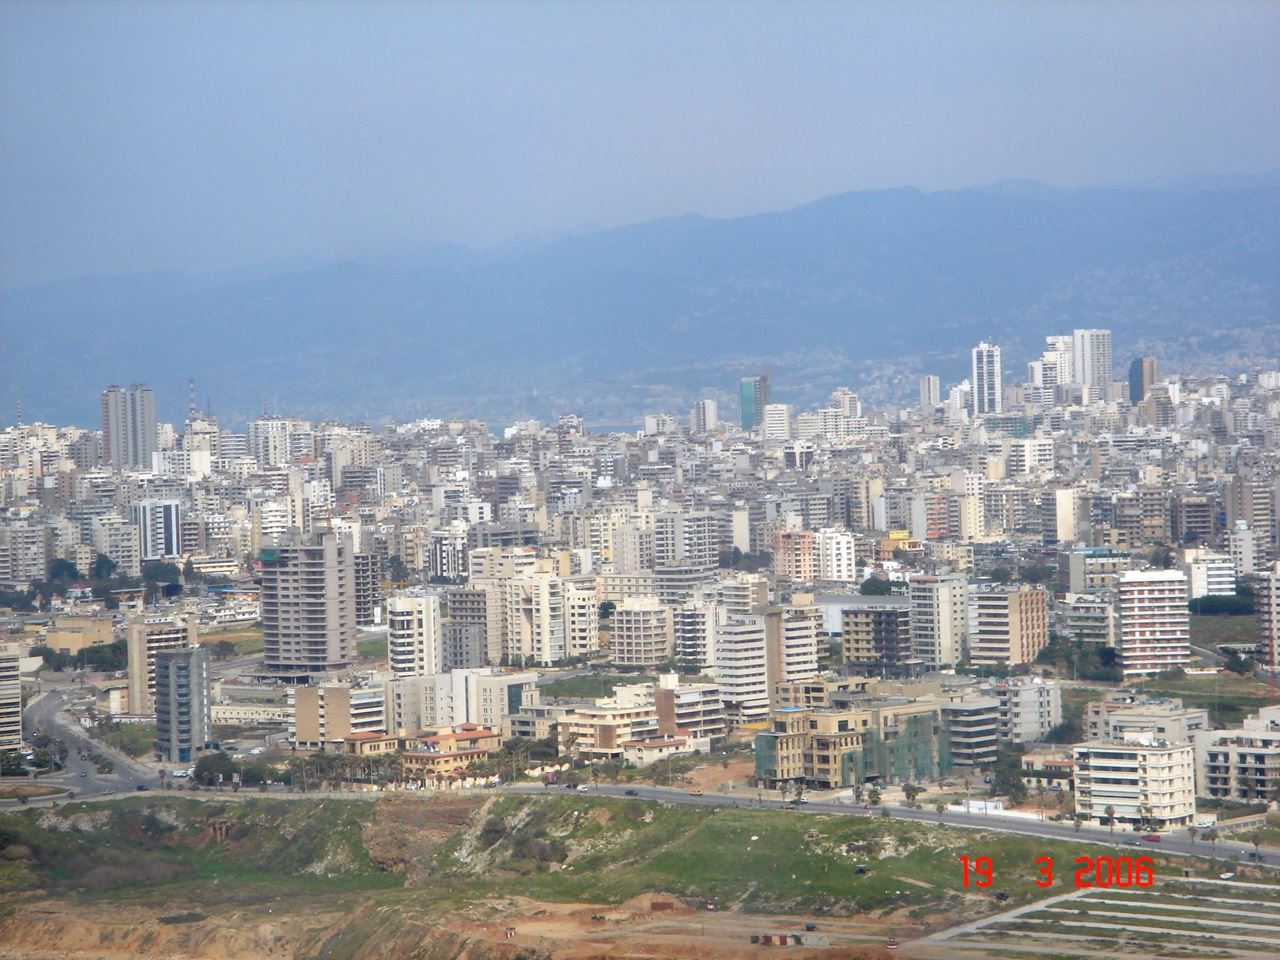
1144,781
1242,763
1154,621
777,421
939,619
483,696
836,551
1091,359
705,417
414,635
1029,707
741,669
1209,574
10,697
988,387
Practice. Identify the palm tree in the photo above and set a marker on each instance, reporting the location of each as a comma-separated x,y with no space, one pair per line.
941,807
1193,831
1212,836
1110,811
1040,795
1257,845
1078,819
799,790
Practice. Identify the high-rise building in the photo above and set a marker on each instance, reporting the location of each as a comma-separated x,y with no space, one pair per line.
705,416
875,636
777,421
1267,599
1142,377
414,635
988,388
159,524
10,697
1009,626
183,723
145,639
1154,622
308,605
930,391
1091,358
753,395
939,619
642,633
129,435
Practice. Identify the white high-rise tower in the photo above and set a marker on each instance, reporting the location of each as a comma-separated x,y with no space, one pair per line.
988,388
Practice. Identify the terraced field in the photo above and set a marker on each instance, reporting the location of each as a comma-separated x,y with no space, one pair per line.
1176,918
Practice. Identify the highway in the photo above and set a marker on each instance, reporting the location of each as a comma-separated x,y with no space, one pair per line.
43,715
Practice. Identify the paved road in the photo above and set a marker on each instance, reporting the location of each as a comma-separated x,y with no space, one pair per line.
43,715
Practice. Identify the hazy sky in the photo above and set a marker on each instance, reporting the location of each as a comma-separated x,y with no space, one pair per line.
204,136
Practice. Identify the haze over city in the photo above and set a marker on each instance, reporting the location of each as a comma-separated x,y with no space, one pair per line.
694,481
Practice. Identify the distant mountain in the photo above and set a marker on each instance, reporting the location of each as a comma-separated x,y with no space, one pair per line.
865,289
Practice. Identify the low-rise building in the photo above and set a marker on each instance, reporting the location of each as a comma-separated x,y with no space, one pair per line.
1029,707
1121,715
1144,782
445,753
1242,763
327,714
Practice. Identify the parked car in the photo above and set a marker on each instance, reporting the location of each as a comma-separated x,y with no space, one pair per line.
631,793
695,792
583,788
1151,837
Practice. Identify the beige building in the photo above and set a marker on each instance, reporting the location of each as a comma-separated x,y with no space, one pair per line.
327,714
1120,716
1155,625
70,635
642,633
582,616
144,638
1242,763
309,605
695,708
1009,626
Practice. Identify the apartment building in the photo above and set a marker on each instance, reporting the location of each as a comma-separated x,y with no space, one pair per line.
145,638
875,636
1242,763
972,724
1121,716
1154,621
483,696
308,606
1145,781
1008,625
10,697
939,619
641,633
1029,707
415,635
325,715
184,724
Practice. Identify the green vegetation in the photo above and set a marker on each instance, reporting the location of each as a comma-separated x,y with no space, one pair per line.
735,559
373,649
107,657
1077,660
243,642
132,739
1229,699
1209,631
589,686
158,850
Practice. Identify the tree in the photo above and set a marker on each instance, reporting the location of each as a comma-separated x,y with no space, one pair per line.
873,797
1041,793
606,609
104,568
161,571
911,791
396,569
1192,832
11,764
1212,836
1077,819
63,570
941,807
875,587
799,790
1110,811
190,574
211,765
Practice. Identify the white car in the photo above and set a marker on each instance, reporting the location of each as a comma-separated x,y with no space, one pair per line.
583,788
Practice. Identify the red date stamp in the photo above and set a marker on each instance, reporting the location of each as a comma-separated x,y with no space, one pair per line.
1101,871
